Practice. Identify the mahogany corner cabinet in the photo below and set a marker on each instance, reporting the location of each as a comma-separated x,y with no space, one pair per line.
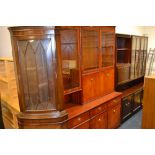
65,77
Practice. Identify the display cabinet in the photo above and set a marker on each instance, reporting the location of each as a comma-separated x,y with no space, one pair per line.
39,76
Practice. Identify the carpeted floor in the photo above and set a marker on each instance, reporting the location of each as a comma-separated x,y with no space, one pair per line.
134,122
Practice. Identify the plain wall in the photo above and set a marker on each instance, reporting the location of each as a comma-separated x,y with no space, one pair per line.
150,32
5,42
131,30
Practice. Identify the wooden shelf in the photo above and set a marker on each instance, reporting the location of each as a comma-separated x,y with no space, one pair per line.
123,49
132,89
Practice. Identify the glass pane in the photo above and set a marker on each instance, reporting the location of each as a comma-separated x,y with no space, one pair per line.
137,43
107,49
90,52
70,63
37,67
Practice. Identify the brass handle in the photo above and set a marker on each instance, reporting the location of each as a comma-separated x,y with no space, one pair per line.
79,119
115,101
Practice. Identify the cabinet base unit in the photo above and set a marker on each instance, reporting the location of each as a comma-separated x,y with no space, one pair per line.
102,113
131,101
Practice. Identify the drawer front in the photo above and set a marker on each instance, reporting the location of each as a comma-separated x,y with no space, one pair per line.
114,117
78,120
98,110
114,102
84,125
99,122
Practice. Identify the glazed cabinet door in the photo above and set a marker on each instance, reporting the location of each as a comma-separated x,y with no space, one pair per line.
99,121
137,101
106,81
107,48
127,106
114,117
91,86
68,44
90,48
37,67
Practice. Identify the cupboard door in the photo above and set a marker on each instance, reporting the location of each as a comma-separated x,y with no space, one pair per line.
107,81
114,117
91,86
127,106
108,48
87,88
90,48
137,100
99,122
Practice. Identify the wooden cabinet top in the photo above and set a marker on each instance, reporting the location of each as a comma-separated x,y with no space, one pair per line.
79,109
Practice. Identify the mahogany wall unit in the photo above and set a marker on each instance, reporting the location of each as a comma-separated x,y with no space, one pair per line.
66,71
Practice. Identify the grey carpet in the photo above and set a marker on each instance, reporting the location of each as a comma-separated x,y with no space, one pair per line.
134,122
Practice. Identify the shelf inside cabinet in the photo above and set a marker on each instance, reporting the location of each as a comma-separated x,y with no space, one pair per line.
123,49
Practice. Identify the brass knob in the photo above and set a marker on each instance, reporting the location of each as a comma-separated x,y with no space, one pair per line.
99,108
91,79
99,119
108,74
114,111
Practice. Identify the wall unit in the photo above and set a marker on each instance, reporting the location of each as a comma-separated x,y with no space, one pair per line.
98,59
66,77
131,52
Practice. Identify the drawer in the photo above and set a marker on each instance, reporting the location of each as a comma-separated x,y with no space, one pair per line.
114,102
98,110
84,125
78,120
